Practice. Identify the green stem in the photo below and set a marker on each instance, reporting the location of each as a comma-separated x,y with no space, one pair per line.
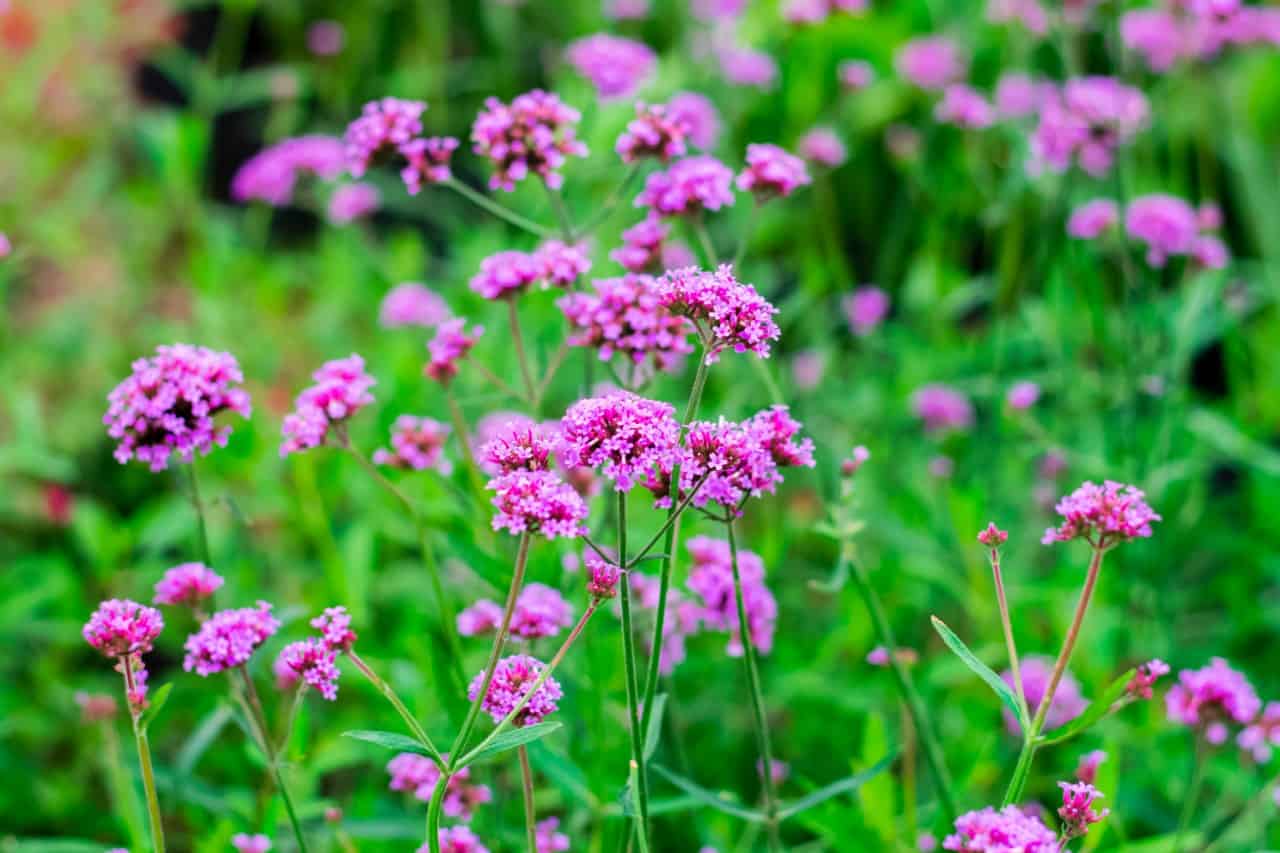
433,814
513,316
530,813
757,694
198,505
562,214
419,734
258,720
144,759
1007,627
488,204
633,698
1193,792
704,240
124,798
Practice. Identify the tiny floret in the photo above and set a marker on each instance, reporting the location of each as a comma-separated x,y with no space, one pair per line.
537,502
993,536
772,172
416,444
450,345
334,625
1145,676
602,577
533,135
689,186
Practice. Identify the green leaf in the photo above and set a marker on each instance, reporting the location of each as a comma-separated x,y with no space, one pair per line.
723,801
202,738
835,789
390,740
158,698
1097,709
509,740
981,670
633,788
653,734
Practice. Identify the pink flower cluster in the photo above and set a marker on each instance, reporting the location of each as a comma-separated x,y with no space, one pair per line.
313,662
602,577
396,124
711,579
449,346
1170,226
1077,810
817,11
1087,122
482,617
537,502
243,842
697,116
512,679
1102,515
187,584
1174,30
743,66
688,186
417,444
547,839
772,172
654,132
353,201
942,407
684,618
508,274
412,304
168,403
429,160
271,175
1019,95
341,390
855,74
932,62
228,639
1067,704
1010,830
1211,697
534,134
865,309
964,106
626,435
1093,218
1262,734
1029,13
562,264
419,775
616,66
519,445
456,839
122,627
641,249
1144,678
822,146
540,611
624,315
729,313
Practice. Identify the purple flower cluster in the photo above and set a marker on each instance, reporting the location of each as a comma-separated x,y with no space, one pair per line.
187,584
537,502
1077,810
243,842
505,275
624,315
168,403
512,679
1144,678
519,445
412,304
547,839
1102,515
382,124
942,407
456,839
419,775
602,577
688,186
1258,738
1170,226
1093,218
711,579
1010,830
449,346
122,627
417,444
730,313
822,146
626,435
1067,704
228,639
771,172
562,264
743,66
616,66
353,201
1175,30
697,117
312,661
641,249
865,309
540,611
480,618
429,160
271,175
1211,697
341,390
654,132
1087,122
933,62
964,106
534,134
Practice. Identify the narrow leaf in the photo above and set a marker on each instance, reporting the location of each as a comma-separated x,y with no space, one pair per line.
158,698
633,785
509,740
202,738
654,733
389,740
842,786
981,670
724,802
1097,709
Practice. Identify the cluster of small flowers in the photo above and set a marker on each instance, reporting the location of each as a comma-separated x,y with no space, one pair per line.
512,680
1102,515
654,132
456,839
1077,810
537,502
743,66
168,403
419,775
688,187
341,389
121,627
510,273
1170,226
1068,703
271,175
228,639
1211,697
1173,30
417,443
1087,121
187,584
616,66
1029,13
697,116
771,172
942,407
314,660
534,134
353,201
625,435
817,11
855,74
865,309
1144,678
730,313
540,611
412,304
641,249
396,124
822,146
243,842
602,577
450,345
1006,831
711,579
1258,738
932,62
965,107
625,315
518,444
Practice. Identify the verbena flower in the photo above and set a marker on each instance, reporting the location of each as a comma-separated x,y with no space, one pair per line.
457,839
1093,218
540,612
771,172
711,579
1102,515
602,577
353,201
1145,676
1067,704
1157,35
932,62
537,502
855,74
616,66
412,304
1086,123
314,663
641,249
482,617
547,839
1258,738
387,123
1077,810
245,843
964,106
865,309
533,135
688,186
417,443
730,313
993,536
512,679
624,434
1010,830
1165,223
942,407
334,625
561,264
697,117
228,639
532,452
341,390
1029,13
1212,697
743,66
271,175
168,404
506,274
728,456
419,775
188,584
653,133
428,162
123,627
1022,395
823,146
1019,95
776,431
450,345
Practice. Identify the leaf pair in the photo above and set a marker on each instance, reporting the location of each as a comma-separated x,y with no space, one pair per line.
506,741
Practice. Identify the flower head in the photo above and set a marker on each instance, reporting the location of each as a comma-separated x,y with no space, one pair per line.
540,612
480,618
187,583
428,161
412,304
537,502
457,839
697,118
1258,738
1010,830
654,132
688,186
772,172
1019,95
334,625
228,639
732,314
123,627
271,175
314,663
616,66
547,839
382,124
168,403
964,106
506,274
641,249
624,315
1091,219
245,843
350,202
534,134
1211,697
728,458
1087,122
775,431
417,444
865,309
1165,223
942,407
1067,704
1102,515
993,536
624,434
1087,769
933,62
1077,810
743,66
419,774
1145,676
711,579
602,577
1022,395
823,147
561,264
512,679
520,445
341,390
855,74
450,345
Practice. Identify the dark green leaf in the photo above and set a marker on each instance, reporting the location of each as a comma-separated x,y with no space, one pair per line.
1097,709
158,698
653,734
390,740
842,786
724,801
981,670
509,740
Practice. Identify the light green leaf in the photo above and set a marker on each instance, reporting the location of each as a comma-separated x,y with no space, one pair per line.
509,740
654,733
981,670
389,740
1097,709
158,698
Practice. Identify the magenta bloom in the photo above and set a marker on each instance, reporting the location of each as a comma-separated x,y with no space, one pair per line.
743,66
480,618
547,839
697,116
823,146
625,435
641,249
730,457
1262,734
540,612
506,274
603,577
341,390
416,444
537,502
353,201
993,536
855,74
511,682
533,135
228,639
771,171
1067,703
1167,224
419,774
561,264
942,407
1091,219
654,132
1019,95
450,345
1157,35
383,124
688,186
729,313
519,445
1010,830
1102,515
711,579
314,663
1029,13
807,369
1087,122
1210,698
1145,676
1022,395
334,625
865,309
271,175
5,246
964,106
245,843
325,38
412,304
122,627
428,161
457,839
616,66
1077,810
167,405
805,11
931,63
775,431
187,583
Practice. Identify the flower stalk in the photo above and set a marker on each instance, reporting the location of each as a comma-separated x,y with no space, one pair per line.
633,697
258,725
144,756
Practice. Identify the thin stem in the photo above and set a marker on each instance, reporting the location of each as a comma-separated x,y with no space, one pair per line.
757,694
530,814
671,519
481,200
198,505
633,698
144,758
513,316
497,381
1193,792
747,231
258,720
619,192
1007,625
704,240
562,214
433,813
517,579
419,734
464,444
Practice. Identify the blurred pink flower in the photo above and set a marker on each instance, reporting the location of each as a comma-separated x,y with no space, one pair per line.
187,584
964,106
942,407
326,38
271,174
626,10
855,74
1067,704
416,444
341,390
746,67
1091,219
823,146
688,186
931,62
412,304
450,345
350,202
1211,697
697,115
1019,95
1087,769
616,66
772,172
1166,223
1023,395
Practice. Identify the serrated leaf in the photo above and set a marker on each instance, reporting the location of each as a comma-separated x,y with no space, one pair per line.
509,740
724,802
158,698
981,670
841,786
389,740
1097,709
653,733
